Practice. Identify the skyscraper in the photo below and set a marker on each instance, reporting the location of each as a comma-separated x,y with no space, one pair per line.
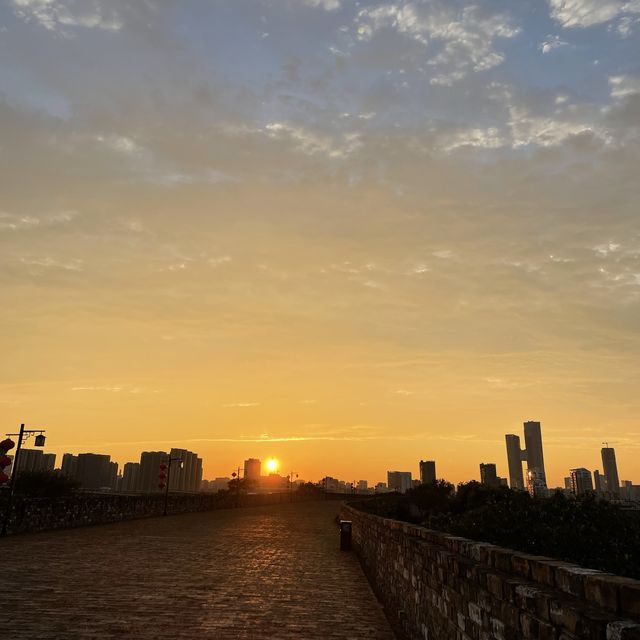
427,471
252,469
581,482
532,453
489,475
514,460
611,471
533,447
599,483
399,480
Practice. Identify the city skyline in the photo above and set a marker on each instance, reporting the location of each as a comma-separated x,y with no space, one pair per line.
426,470
341,234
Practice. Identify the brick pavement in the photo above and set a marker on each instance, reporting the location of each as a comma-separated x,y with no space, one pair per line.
263,573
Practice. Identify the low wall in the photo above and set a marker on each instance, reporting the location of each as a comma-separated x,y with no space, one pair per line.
30,515
441,587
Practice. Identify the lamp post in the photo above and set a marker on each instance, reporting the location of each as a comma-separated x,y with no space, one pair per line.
236,476
22,436
166,490
291,485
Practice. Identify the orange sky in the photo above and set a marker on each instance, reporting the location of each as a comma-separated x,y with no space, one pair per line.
330,244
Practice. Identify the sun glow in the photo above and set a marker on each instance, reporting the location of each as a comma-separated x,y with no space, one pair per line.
272,465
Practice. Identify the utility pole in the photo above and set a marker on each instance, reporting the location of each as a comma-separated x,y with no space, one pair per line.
166,490
24,434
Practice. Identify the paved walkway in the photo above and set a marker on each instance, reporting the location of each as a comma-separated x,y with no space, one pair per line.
264,573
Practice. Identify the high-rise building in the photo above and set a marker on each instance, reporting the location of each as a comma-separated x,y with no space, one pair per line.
362,486
69,466
399,481
532,453
581,482
536,483
599,483
611,471
252,469
131,477
186,473
150,462
533,446
427,471
489,475
34,460
95,471
514,460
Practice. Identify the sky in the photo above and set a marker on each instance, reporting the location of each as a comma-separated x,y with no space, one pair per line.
348,235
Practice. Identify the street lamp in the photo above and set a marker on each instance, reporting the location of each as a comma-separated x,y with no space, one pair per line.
166,490
236,476
22,436
291,485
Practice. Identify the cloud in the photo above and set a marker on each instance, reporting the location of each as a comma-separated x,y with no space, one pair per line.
241,405
551,43
587,13
624,85
311,143
327,5
459,40
56,15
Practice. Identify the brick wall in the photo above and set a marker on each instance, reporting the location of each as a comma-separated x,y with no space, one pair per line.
437,586
29,515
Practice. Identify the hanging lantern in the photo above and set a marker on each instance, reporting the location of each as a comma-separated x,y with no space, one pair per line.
6,445
39,440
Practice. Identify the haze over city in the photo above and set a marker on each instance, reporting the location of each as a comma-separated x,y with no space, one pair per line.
345,235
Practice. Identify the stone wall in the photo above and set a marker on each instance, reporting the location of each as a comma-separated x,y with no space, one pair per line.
30,515
437,586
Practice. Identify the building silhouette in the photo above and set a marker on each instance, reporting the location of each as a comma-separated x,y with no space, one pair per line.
252,469
186,475
91,470
150,462
130,477
610,469
35,460
427,471
599,483
399,481
489,475
536,483
532,454
581,482
514,460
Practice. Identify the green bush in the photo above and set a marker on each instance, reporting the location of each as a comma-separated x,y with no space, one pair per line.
44,484
587,531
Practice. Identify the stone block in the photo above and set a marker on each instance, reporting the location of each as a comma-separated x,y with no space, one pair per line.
570,578
603,590
623,630
630,598
501,559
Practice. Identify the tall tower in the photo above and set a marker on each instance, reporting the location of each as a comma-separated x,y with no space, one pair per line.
427,471
533,446
611,471
514,459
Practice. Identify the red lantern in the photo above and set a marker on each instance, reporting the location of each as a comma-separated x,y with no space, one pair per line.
162,476
163,467
161,485
3,477
5,461
7,445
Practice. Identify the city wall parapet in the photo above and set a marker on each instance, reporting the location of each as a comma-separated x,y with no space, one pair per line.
437,586
31,515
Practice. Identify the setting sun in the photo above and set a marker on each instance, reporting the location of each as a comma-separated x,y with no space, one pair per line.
272,465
